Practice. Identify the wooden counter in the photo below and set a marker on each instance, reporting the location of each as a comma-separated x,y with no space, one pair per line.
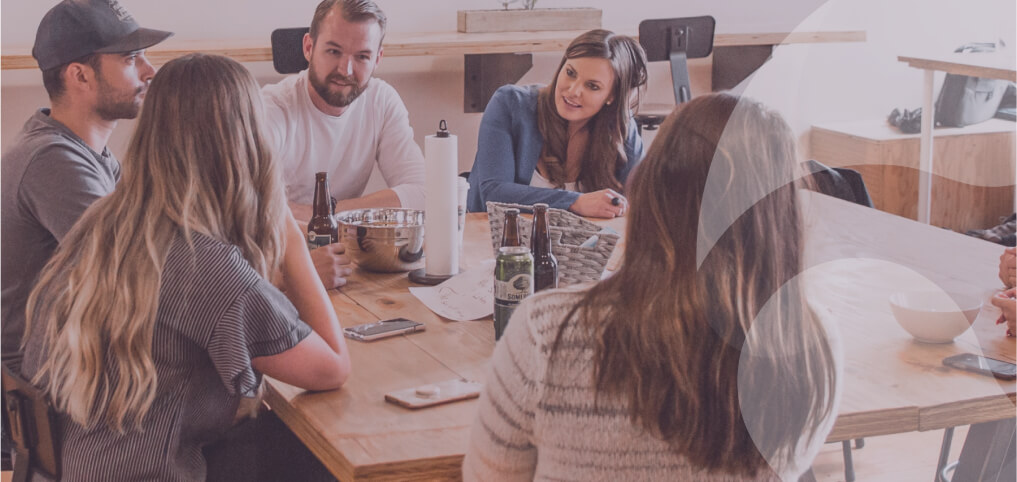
973,175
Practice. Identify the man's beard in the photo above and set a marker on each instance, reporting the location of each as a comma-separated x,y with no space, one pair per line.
113,107
336,98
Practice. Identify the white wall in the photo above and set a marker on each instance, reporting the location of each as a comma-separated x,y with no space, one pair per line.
807,83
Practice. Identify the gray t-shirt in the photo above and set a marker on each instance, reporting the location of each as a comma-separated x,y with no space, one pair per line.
49,177
215,315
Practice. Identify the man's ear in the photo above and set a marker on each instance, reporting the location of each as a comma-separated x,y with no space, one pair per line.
381,53
308,46
79,76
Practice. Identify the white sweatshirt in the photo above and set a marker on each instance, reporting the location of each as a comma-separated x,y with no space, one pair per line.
375,128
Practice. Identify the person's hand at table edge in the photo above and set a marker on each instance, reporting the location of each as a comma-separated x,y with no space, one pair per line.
1006,301
605,203
332,265
1008,267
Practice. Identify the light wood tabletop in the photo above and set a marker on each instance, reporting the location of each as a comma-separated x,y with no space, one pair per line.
857,257
433,43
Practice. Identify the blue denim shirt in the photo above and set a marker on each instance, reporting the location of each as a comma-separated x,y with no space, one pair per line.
509,146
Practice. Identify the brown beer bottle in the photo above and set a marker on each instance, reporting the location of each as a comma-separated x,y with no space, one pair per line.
510,230
545,265
322,230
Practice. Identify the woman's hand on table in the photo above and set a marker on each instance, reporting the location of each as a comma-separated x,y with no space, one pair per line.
605,203
332,265
1006,301
1008,267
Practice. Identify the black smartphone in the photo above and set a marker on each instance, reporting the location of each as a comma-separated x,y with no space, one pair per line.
980,364
382,329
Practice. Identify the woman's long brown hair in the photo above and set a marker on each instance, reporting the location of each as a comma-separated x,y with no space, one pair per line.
722,360
604,154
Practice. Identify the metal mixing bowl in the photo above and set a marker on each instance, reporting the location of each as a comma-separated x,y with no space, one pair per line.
384,240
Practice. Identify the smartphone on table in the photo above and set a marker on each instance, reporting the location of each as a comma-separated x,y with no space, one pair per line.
382,329
435,394
983,365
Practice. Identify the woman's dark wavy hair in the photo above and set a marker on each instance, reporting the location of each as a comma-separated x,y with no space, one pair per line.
605,152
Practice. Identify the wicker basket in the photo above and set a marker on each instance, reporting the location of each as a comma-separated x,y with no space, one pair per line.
576,264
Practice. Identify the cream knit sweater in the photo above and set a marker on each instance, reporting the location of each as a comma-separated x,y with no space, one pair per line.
536,423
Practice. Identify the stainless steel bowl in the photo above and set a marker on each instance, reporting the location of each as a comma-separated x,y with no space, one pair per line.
384,240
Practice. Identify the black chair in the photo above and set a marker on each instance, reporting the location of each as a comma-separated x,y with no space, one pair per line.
839,182
33,429
288,50
674,40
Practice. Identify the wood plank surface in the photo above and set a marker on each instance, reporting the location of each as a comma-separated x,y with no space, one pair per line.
535,20
994,65
432,43
967,412
850,426
858,256
865,256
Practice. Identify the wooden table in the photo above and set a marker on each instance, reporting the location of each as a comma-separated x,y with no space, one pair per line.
892,383
998,65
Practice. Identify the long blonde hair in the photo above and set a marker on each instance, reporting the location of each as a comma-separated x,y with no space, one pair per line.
722,359
197,163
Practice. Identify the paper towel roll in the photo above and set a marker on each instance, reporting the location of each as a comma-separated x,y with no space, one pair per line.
441,217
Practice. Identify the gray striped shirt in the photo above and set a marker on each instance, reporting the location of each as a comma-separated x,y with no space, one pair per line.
215,314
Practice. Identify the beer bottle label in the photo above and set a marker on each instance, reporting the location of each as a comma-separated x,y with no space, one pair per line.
315,240
515,289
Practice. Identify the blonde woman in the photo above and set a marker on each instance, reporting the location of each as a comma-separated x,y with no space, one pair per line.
678,367
155,319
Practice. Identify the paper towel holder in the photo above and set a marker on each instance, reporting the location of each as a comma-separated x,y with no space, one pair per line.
420,276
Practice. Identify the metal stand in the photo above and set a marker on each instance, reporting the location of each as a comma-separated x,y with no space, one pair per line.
420,277
675,40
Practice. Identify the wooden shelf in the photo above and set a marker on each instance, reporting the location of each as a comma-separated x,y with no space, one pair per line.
437,43
998,65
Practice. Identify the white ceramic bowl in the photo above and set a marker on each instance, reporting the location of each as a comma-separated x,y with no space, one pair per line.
934,316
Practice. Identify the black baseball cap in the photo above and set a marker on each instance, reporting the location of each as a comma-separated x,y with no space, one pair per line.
76,28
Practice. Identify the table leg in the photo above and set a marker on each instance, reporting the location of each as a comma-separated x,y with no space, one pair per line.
925,152
988,453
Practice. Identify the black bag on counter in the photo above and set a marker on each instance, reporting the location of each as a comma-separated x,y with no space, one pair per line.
965,100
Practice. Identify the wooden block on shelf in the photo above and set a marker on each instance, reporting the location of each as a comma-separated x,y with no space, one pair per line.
520,20
973,168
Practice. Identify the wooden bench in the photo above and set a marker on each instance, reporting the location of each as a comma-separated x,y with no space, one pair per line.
973,173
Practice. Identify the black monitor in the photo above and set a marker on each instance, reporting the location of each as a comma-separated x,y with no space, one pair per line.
677,39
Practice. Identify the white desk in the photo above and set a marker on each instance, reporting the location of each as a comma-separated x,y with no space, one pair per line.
998,65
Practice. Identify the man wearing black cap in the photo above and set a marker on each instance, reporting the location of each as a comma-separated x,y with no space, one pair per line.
91,53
